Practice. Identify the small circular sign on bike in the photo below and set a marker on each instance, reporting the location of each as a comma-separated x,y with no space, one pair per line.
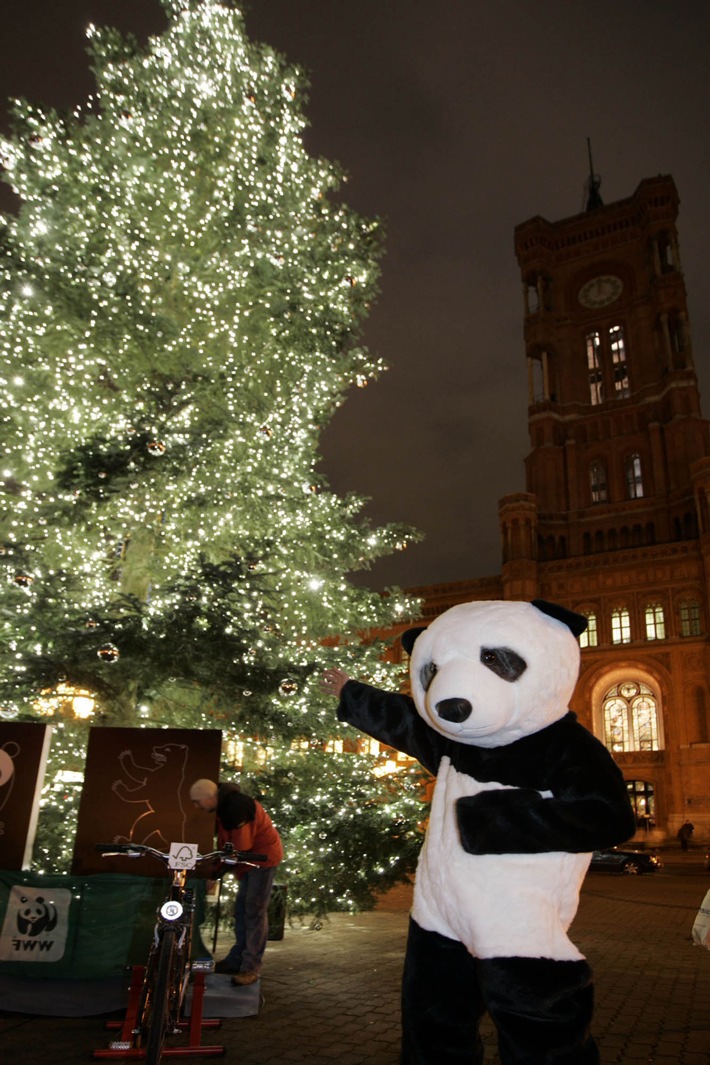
171,910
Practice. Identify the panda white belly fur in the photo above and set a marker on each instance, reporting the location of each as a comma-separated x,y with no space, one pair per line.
498,905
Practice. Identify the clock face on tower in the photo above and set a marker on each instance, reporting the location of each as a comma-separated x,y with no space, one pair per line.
600,291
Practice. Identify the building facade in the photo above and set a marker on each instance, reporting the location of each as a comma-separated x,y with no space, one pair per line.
615,519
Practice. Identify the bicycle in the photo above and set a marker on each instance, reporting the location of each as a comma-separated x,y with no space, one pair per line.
156,1003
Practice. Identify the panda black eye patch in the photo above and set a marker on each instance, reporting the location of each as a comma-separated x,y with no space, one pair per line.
427,674
506,664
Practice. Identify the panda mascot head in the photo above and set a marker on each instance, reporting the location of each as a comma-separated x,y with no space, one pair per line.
488,673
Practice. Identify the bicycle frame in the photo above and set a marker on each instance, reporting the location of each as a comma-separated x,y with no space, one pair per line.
157,993
168,968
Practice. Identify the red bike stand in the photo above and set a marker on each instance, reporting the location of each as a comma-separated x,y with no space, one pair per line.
123,1046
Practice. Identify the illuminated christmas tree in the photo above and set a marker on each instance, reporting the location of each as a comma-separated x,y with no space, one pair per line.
181,296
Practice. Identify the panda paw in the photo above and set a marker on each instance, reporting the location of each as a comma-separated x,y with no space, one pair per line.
495,822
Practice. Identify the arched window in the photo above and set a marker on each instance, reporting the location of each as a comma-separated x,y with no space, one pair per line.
590,636
630,715
597,481
655,622
620,626
607,358
537,381
538,293
690,624
634,479
618,359
594,368
664,243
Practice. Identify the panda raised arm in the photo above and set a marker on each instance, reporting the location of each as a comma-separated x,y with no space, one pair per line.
491,683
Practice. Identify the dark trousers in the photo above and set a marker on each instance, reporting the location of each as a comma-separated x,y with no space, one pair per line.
251,920
542,1009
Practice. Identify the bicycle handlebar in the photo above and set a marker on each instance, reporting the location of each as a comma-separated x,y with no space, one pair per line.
140,850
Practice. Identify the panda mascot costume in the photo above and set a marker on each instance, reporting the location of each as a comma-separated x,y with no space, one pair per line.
523,794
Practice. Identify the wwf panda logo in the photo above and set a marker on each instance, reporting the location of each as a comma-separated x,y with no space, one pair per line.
36,916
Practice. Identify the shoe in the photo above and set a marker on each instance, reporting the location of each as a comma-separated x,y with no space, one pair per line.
242,979
226,966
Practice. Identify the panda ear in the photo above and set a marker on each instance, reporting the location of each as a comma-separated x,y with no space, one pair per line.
409,637
576,623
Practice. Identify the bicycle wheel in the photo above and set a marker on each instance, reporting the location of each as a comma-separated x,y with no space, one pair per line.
160,999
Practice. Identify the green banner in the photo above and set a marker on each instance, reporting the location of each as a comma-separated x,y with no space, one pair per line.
78,928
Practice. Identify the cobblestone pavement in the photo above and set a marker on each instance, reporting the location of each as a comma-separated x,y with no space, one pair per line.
331,996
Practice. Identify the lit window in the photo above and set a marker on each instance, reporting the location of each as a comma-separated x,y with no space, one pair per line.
590,636
634,480
620,626
630,712
655,623
618,358
597,482
690,618
594,368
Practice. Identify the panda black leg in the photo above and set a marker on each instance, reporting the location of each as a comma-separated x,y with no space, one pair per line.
441,1002
542,1010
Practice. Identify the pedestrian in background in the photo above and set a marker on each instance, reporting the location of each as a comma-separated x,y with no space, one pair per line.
684,833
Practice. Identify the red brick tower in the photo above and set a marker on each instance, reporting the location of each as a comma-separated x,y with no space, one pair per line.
615,521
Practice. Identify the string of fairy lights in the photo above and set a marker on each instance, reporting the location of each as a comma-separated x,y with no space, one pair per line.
181,298
269,436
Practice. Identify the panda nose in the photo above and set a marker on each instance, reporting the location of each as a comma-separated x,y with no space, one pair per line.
455,710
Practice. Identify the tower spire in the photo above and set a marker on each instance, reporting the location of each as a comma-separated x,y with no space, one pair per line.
593,199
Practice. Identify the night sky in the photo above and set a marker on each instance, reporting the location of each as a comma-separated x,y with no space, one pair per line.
456,121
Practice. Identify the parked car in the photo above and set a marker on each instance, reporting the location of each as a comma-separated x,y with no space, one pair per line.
625,860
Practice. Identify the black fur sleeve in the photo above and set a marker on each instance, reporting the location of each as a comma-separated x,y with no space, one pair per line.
392,719
589,807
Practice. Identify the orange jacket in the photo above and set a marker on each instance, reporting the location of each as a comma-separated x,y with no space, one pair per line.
258,836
